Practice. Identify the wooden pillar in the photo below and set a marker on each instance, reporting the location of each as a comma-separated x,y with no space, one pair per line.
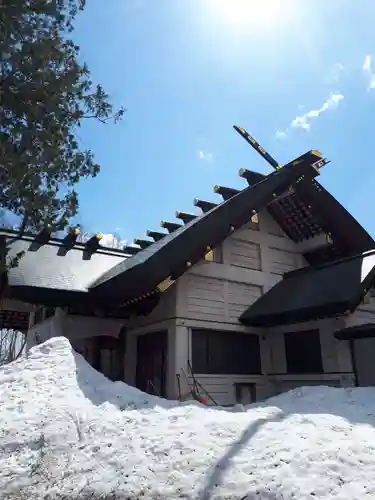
130,365
121,352
178,355
59,323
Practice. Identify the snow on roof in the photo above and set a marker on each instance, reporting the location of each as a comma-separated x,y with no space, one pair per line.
66,430
55,267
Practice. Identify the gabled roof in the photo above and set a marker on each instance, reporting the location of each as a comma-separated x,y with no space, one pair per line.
173,254
310,211
106,277
55,275
323,291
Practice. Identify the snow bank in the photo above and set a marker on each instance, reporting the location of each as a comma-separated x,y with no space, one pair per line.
66,432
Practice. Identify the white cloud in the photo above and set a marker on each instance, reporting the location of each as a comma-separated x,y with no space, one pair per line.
367,68
301,122
304,121
205,156
281,135
111,241
367,64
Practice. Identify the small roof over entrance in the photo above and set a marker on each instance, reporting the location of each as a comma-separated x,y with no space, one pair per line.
310,293
364,331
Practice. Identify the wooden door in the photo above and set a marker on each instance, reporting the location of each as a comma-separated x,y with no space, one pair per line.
108,357
151,363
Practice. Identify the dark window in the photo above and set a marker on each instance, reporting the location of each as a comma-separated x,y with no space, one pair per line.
303,352
225,353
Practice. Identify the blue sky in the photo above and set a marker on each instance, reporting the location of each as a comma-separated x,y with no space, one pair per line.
297,78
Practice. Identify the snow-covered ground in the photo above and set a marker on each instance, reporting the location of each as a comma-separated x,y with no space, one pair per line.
67,432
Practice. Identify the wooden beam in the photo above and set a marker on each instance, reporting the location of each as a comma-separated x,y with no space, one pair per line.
185,217
170,226
287,193
142,243
131,250
225,192
70,238
205,206
250,176
321,240
93,244
155,235
44,235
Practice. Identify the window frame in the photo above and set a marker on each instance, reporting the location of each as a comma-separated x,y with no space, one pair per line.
213,352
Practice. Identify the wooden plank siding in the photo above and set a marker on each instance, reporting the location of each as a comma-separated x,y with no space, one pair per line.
205,298
217,300
243,254
253,261
282,261
222,387
239,297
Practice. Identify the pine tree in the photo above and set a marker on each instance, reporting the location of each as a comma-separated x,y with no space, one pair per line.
45,94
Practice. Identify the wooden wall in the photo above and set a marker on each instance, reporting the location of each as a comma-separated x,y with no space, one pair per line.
253,262
336,357
213,299
213,295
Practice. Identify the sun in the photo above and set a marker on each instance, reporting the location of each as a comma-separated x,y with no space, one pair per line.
255,14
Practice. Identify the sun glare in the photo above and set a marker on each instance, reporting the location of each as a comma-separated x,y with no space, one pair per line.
255,14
